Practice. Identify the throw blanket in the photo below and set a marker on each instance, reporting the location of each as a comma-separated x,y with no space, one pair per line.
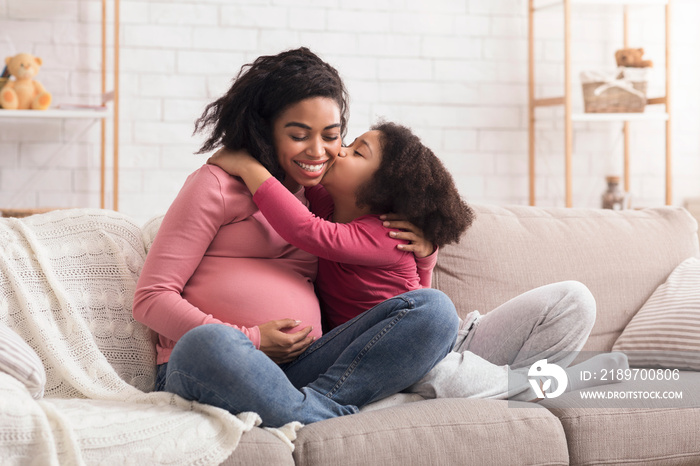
67,280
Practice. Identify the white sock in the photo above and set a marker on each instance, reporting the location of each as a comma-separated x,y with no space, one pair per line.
598,370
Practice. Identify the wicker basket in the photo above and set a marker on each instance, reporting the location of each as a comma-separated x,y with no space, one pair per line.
622,92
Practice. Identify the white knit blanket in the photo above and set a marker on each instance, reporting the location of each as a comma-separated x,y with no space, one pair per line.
67,280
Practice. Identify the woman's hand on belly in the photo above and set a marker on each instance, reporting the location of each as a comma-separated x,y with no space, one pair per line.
283,347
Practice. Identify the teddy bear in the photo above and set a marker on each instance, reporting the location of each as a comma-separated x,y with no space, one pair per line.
24,92
632,58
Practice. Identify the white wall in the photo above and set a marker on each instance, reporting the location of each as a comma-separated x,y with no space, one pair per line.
454,70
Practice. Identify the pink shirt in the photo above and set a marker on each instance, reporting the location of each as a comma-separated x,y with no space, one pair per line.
216,259
359,265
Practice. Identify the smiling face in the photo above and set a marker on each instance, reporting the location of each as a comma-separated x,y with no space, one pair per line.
307,140
355,165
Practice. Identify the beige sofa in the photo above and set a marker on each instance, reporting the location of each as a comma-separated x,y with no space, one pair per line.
621,256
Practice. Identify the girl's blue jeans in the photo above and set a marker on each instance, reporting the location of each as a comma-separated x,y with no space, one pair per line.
380,352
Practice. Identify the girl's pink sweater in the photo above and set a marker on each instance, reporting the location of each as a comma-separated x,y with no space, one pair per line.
216,259
359,265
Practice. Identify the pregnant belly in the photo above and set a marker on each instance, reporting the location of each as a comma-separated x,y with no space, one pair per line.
248,292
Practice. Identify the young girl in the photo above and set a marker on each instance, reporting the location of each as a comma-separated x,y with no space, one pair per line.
388,169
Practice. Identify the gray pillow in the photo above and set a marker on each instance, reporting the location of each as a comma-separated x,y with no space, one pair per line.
665,333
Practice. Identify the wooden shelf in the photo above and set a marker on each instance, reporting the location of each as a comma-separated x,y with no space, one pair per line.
56,113
621,2
608,117
90,113
571,116
621,117
543,4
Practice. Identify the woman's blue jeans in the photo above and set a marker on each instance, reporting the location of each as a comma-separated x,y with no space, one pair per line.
377,354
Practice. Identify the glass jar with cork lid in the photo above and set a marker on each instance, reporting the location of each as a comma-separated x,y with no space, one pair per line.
614,198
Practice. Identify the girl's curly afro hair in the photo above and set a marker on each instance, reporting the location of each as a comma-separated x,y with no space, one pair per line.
412,181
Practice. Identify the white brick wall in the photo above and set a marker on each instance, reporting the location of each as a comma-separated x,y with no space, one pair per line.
454,70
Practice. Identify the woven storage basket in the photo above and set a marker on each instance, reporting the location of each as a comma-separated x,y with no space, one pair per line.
621,92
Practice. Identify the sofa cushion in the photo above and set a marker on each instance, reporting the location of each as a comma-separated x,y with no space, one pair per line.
666,330
632,436
633,430
442,431
258,446
622,256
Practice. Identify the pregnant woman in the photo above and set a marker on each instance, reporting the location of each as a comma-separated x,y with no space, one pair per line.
216,260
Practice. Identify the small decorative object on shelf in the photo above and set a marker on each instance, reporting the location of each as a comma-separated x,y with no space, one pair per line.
623,91
24,93
614,198
632,58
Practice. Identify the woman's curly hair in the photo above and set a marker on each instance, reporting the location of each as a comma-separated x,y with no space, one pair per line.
412,181
243,117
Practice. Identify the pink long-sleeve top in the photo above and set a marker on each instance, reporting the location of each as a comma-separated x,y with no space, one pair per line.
216,259
359,265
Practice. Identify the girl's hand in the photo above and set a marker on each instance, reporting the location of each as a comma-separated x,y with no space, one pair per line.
232,162
283,347
418,245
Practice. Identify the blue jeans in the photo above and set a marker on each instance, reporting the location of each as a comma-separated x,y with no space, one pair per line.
377,354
